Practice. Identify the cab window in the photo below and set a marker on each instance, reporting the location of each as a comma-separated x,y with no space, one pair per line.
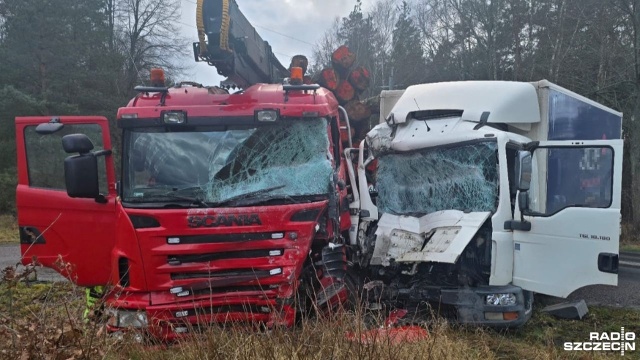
45,156
578,177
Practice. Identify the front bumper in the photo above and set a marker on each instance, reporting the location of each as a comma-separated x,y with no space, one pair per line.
466,305
168,322
471,307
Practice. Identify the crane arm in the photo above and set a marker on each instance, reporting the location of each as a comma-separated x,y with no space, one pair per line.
230,43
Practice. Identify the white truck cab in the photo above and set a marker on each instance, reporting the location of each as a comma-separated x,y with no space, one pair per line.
477,194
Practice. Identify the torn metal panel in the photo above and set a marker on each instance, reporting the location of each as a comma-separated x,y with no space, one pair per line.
446,233
380,139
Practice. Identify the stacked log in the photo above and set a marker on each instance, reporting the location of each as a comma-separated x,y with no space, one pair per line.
347,85
329,79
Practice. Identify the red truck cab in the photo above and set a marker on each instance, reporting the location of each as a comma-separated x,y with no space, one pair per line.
228,206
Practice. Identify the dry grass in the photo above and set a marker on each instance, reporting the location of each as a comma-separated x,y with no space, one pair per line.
8,229
43,321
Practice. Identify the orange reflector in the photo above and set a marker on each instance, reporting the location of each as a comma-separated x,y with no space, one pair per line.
157,77
511,316
296,76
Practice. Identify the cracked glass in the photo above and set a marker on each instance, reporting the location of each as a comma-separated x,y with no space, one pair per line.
463,177
283,159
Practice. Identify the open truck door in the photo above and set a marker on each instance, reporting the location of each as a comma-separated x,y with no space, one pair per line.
569,229
74,236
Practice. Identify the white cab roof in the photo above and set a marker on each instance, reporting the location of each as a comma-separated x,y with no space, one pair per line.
507,102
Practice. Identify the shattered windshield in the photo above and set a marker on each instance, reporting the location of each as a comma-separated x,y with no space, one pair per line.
217,164
462,177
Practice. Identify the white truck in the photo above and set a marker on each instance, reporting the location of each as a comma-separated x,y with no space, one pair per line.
474,195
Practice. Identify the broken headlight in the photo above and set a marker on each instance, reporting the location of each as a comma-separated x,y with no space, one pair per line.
501,299
127,318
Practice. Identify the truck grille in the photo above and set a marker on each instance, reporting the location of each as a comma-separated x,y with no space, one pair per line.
224,238
182,259
224,273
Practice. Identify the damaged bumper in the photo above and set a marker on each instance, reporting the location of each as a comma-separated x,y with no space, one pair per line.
494,306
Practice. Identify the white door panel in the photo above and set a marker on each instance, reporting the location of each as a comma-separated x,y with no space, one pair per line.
561,252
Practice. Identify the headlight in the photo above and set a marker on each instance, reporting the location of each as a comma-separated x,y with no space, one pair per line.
127,319
501,299
174,117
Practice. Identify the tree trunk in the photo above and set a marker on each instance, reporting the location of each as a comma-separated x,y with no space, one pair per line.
634,153
357,110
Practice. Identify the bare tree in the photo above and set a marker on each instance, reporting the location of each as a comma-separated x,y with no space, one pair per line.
149,36
323,48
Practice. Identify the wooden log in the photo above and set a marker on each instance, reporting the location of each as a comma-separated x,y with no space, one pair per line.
357,110
329,79
342,59
345,92
299,61
361,129
360,78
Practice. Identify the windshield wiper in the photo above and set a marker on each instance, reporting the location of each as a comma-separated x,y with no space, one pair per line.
242,197
174,194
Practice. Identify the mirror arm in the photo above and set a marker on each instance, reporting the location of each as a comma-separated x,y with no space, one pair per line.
531,146
522,224
102,153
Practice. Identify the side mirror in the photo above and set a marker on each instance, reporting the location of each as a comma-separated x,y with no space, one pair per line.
523,168
80,171
81,176
54,125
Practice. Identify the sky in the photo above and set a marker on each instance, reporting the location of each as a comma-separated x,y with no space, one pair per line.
304,22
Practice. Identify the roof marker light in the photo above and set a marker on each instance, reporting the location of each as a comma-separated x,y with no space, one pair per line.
157,77
296,77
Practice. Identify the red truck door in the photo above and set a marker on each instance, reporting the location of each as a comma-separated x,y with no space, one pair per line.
73,236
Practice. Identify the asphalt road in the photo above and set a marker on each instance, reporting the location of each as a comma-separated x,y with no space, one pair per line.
626,294
10,256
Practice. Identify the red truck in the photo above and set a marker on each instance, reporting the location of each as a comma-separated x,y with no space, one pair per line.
229,207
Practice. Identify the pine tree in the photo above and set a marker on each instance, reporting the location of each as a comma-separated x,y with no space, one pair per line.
407,55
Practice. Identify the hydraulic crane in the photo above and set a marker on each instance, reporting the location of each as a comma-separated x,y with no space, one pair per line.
230,43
